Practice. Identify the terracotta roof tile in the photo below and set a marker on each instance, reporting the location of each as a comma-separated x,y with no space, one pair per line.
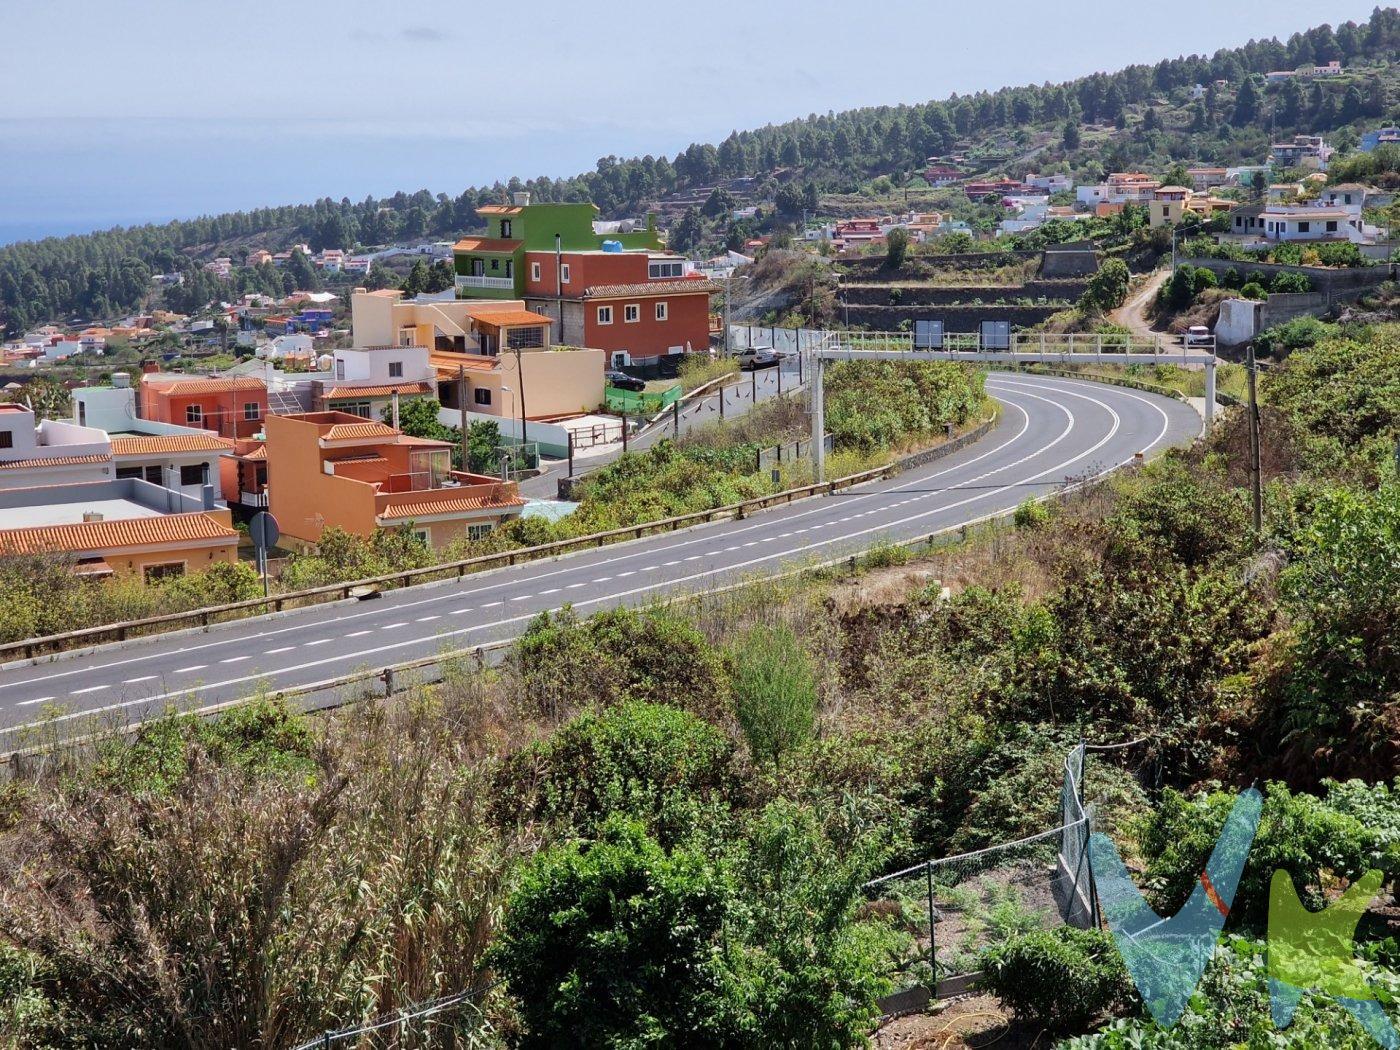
413,505
213,385
495,245
54,461
343,392
147,445
512,318
448,363
172,529
621,291
353,431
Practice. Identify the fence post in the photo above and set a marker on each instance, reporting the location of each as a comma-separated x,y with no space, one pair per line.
676,417
624,430
932,936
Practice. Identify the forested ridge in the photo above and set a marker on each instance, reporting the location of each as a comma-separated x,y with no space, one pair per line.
97,275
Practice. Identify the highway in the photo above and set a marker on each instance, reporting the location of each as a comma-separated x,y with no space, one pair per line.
1051,432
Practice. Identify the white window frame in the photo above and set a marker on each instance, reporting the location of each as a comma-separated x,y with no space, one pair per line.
194,415
662,313
480,532
534,271
395,369
605,315
564,273
252,411
631,313
426,535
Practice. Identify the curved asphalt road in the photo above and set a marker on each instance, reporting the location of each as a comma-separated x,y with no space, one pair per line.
1052,432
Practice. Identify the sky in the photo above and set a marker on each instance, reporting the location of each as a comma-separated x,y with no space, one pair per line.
127,111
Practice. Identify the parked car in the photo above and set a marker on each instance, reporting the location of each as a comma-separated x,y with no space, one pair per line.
1198,335
759,357
622,381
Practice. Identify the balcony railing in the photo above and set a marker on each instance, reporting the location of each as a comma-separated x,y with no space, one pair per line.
498,283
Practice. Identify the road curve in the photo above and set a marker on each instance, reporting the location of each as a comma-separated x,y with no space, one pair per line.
1052,432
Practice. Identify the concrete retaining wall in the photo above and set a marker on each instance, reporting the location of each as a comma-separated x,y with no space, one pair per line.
954,318
953,295
1336,284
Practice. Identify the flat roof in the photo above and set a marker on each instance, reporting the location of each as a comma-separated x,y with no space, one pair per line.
72,513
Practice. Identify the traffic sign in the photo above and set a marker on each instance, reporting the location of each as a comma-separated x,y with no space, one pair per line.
263,530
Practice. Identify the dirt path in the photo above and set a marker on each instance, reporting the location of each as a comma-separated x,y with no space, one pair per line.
1132,314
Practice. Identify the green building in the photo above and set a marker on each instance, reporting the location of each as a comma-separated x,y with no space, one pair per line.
492,266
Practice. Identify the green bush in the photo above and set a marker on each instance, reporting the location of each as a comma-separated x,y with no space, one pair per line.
1290,281
1032,514
1060,979
1254,290
774,690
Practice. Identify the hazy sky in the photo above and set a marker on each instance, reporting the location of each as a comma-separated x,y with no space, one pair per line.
121,111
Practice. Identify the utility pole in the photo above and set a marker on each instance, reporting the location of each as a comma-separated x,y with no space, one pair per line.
818,422
559,282
462,413
1255,480
520,381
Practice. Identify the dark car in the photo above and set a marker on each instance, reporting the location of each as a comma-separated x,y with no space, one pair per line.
622,381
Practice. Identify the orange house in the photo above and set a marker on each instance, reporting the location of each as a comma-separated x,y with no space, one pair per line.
231,407
332,469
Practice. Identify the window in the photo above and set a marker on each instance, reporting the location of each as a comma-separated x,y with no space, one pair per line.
340,363
194,474
631,313
395,369
479,532
481,396
1331,225
151,474
194,414
524,338
355,408
510,267
564,272
506,228
534,271
251,410
166,571
7,439
661,311
424,537
1304,227
672,268
605,315
495,264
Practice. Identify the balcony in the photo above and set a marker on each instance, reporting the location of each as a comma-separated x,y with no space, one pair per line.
497,284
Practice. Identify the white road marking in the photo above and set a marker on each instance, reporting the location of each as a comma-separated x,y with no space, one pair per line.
318,641
425,619
358,634
391,626
284,649
234,660
195,667
573,586
89,689
552,590
36,700
143,678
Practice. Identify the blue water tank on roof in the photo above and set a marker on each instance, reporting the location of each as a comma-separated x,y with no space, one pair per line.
612,246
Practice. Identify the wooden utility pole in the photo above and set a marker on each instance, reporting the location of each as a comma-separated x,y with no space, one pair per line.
1255,472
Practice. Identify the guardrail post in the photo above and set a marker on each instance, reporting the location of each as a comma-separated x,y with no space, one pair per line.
204,620
480,658
388,677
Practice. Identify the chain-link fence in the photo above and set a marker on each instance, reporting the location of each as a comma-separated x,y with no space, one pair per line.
453,1022
954,908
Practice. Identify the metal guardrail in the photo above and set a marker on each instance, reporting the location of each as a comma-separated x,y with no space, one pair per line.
203,617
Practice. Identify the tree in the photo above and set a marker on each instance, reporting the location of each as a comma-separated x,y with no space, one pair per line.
302,274
775,692
688,231
896,247
46,396
1071,135
1106,289
720,202
1246,104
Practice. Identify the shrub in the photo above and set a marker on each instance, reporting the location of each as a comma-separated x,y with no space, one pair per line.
617,943
1107,288
1231,278
657,765
1203,279
1290,281
775,692
1032,514
1254,290
1061,979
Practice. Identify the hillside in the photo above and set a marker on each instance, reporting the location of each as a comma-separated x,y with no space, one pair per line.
1140,115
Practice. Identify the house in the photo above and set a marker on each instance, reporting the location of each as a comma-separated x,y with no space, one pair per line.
1050,184
232,407
465,338
942,175
36,454
331,259
492,266
257,257
183,459
1348,195
1331,69
122,526
367,381
1278,76
857,233
1280,222
980,188
1373,140
1203,179
1168,205
1305,151
635,306
221,267
331,469
1131,187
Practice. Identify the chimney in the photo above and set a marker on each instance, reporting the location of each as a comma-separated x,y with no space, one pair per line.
92,515
521,198
150,367
396,409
